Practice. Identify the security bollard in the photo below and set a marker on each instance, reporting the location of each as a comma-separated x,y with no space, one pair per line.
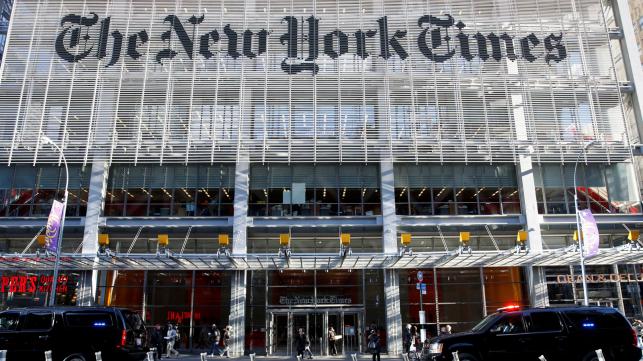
151,356
542,358
203,356
99,356
456,357
599,354
3,355
252,356
48,356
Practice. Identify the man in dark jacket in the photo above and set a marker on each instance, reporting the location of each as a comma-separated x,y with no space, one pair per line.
300,341
156,340
374,345
214,338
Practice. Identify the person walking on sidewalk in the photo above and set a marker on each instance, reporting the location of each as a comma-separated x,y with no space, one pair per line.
226,341
156,340
374,345
214,337
172,337
407,338
303,344
332,346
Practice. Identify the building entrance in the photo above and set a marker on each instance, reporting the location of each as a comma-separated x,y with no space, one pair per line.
283,326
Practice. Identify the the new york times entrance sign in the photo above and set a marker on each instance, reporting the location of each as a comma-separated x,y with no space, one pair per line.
440,39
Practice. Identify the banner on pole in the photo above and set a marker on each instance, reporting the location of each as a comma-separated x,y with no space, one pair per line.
591,238
52,233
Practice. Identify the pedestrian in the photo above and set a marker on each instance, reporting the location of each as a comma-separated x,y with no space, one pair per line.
303,345
332,346
374,345
448,329
156,341
214,337
406,338
203,338
226,341
172,337
415,338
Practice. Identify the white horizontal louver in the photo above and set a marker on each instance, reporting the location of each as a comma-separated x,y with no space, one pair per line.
222,103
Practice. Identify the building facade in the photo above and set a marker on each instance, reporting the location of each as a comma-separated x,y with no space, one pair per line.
5,15
637,19
275,165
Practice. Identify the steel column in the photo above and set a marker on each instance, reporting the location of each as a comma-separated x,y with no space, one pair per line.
389,218
393,312
240,225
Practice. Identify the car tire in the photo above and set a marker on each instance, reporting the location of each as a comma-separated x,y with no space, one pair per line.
75,358
467,357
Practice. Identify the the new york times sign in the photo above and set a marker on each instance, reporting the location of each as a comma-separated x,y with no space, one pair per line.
439,39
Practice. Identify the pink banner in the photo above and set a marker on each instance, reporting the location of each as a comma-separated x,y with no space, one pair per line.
591,238
52,233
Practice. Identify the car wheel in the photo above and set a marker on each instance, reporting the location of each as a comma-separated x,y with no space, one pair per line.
75,358
467,357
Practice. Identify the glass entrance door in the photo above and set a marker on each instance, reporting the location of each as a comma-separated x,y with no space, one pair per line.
284,326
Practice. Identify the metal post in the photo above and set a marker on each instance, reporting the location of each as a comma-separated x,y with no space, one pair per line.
599,354
54,282
48,356
578,229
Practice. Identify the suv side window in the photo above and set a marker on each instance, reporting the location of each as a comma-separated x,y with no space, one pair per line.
509,324
9,321
94,320
38,321
544,322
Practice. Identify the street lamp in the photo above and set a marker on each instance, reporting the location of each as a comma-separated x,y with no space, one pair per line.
578,230
54,282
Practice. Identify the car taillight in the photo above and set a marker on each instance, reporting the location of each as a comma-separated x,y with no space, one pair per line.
635,338
123,338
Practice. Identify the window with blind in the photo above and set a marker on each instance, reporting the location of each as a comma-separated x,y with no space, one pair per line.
450,189
603,188
26,191
304,190
201,191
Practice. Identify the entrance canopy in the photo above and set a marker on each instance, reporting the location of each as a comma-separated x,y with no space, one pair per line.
451,259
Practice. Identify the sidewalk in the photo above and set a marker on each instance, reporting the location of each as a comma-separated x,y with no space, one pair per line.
320,358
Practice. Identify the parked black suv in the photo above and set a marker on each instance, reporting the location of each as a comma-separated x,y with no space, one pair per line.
72,333
570,334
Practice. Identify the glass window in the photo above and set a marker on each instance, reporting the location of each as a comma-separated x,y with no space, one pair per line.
510,324
88,319
38,321
9,321
206,191
510,201
489,200
304,190
543,322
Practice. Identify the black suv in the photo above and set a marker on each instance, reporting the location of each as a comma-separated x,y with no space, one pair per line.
72,333
570,334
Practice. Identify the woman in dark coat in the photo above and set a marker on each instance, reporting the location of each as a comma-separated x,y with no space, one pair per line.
374,345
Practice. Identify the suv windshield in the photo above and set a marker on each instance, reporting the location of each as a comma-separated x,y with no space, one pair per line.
484,323
9,321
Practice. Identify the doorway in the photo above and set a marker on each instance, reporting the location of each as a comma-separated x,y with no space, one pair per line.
283,326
